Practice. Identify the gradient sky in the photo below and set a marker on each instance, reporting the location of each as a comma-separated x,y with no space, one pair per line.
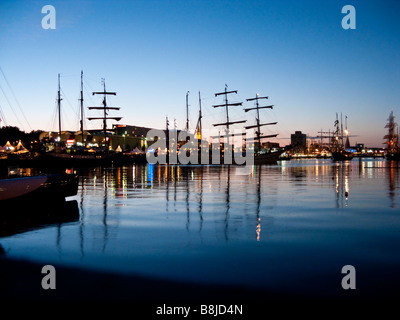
152,52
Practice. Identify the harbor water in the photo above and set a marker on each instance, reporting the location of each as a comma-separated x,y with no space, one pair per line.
288,228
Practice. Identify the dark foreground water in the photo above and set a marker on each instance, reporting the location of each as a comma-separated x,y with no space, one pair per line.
284,228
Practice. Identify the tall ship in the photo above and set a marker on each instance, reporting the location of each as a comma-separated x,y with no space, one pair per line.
392,139
83,156
339,141
228,136
222,150
261,156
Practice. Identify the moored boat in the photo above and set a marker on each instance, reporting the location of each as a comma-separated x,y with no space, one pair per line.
42,188
63,157
260,156
19,187
342,155
268,158
338,150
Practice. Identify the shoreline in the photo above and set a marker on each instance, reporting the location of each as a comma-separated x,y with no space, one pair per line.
21,280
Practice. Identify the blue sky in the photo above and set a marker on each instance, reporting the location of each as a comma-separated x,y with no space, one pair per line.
152,52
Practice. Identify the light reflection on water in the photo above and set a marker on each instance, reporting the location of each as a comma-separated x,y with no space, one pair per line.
210,224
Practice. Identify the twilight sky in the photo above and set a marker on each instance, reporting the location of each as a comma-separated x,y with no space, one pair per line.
153,52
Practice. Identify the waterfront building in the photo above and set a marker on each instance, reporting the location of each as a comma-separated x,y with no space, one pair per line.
299,140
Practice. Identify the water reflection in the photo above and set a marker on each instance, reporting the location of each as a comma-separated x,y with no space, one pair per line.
201,195
340,175
195,221
258,226
393,177
378,169
208,192
22,218
363,173
200,198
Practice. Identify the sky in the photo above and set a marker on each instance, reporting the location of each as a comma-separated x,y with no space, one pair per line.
151,53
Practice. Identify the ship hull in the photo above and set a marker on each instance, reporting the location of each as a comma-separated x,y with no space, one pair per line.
80,160
265,158
268,158
393,156
342,156
38,189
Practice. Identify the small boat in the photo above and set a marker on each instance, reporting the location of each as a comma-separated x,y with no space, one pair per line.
19,187
42,188
285,157
268,158
342,155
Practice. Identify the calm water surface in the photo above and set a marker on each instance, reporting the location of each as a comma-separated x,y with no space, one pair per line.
280,227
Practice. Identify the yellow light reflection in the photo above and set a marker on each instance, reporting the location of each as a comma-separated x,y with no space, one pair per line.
258,229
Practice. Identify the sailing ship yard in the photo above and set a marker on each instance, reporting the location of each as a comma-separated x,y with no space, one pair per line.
200,158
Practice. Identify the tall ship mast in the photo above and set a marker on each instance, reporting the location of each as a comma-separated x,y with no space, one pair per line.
105,109
78,157
392,139
226,105
59,99
198,129
187,112
337,137
266,158
59,108
81,100
258,125
270,157
339,153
